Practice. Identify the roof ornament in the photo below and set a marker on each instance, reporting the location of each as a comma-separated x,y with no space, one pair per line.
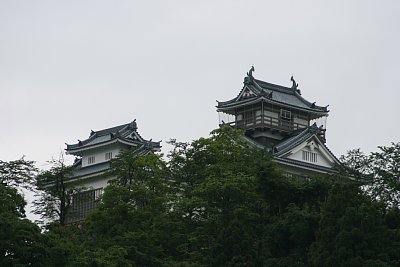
249,78
79,142
313,105
133,124
92,132
270,95
294,85
250,73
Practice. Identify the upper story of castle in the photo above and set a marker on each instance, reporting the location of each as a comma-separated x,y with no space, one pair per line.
268,112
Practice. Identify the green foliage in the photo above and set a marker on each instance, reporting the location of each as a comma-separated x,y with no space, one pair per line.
128,225
215,202
352,231
379,170
11,201
17,173
21,243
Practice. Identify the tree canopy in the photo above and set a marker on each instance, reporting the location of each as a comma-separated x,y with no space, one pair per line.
218,201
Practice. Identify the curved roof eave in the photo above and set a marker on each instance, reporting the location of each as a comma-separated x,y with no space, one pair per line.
260,98
108,142
305,165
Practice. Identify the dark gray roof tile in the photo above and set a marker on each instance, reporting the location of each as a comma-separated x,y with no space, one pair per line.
121,132
280,94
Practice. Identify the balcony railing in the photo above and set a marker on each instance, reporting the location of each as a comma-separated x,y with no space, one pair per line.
267,122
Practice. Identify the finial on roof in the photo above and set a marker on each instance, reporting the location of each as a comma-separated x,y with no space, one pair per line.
79,142
133,124
313,105
294,85
250,73
91,132
249,77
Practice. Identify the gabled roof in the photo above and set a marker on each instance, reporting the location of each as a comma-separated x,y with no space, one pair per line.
255,90
126,133
298,138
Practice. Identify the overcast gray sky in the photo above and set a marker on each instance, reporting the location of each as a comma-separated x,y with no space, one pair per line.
67,67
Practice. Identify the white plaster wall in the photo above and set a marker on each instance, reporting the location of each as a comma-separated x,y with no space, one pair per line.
271,114
321,161
100,153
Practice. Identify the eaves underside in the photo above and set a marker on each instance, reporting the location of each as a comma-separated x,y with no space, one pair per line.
100,144
302,165
262,98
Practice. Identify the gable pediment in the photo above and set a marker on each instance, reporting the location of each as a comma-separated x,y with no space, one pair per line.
246,93
311,151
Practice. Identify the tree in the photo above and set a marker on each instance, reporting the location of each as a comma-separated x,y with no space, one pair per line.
21,241
380,171
128,224
384,167
351,230
18,173
220,202
217,184
55,194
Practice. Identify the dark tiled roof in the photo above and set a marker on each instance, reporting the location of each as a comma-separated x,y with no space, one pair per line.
252,142
274,93
81,172
91,169
297,138
126,132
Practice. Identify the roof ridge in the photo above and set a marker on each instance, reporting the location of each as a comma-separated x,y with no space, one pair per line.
284,89
111,129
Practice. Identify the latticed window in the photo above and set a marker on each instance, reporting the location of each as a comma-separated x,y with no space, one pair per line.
108,155
286,114
83,203
309,156
91,160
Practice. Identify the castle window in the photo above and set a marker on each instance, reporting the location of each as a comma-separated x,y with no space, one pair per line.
309,156
91,160
285,114
108,155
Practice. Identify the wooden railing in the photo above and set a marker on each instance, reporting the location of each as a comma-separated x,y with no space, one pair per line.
267,121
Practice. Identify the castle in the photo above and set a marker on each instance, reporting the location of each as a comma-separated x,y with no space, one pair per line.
273,117
93,156
279,119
